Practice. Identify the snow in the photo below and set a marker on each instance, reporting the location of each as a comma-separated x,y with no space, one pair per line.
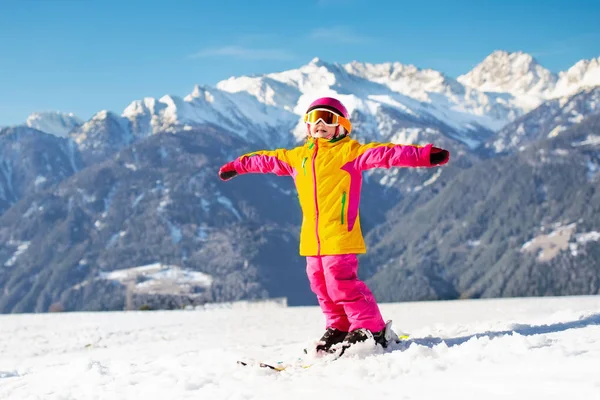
90,135
535,348
55,123
530,84
287,192
517,73
389,177
203,233
205,204
252,107
433,178
267,90
556,131
585,73
592,170
158,275
6,169
176,234
588,237
593,140
583,238
137,200
268,108
235,110
39,180
72,148
164,202
21,248
224,201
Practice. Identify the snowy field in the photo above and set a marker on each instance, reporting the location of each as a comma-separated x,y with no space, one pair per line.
541,348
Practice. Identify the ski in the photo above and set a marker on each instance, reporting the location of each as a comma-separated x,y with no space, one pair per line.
279,367
332,355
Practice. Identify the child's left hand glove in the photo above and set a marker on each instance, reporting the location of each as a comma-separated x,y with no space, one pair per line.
227,171
439,156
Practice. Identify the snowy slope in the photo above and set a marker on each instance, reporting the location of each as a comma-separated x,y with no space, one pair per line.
56,123
542,348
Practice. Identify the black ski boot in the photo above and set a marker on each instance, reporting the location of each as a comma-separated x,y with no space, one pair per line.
357,336
382,337
330,337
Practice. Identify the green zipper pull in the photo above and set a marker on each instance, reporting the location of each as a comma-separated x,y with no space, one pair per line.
304,165
343,206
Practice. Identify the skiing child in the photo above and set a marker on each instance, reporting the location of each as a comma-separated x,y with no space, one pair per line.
327,171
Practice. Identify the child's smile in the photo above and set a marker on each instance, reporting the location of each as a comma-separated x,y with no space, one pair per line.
320,130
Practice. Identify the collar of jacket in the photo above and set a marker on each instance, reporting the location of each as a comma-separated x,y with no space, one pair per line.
327,142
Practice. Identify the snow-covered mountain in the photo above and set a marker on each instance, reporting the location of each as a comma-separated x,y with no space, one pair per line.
239,113
520,75
103,135
266,110
32,161
388,102
584,74
56,123
548,120
425,98
156,198
516,73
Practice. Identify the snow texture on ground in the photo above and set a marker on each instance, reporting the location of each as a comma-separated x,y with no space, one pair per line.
535,348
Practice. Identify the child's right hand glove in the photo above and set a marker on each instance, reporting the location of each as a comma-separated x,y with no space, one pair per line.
227,171
439,156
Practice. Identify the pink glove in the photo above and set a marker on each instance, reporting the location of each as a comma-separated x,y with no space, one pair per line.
227,171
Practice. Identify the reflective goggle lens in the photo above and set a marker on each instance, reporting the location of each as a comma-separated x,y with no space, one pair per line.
328,117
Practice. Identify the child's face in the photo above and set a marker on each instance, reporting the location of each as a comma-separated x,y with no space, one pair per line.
320,130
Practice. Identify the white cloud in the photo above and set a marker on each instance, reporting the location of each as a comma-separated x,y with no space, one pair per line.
244,53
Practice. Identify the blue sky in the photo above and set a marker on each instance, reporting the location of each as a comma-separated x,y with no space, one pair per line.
83,56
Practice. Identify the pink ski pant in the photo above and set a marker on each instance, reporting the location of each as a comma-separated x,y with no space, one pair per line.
346,301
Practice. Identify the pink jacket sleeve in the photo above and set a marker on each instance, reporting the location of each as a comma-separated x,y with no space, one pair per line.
387,155
264,162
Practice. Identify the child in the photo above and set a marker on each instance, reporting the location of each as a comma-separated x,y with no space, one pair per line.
327,172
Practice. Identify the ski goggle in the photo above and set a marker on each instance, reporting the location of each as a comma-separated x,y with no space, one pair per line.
328,118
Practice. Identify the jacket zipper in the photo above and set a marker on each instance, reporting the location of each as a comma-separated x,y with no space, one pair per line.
316,201
343,206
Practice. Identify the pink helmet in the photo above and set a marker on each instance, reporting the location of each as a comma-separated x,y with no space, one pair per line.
331,104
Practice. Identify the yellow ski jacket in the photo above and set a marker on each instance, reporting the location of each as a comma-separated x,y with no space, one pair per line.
328,178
